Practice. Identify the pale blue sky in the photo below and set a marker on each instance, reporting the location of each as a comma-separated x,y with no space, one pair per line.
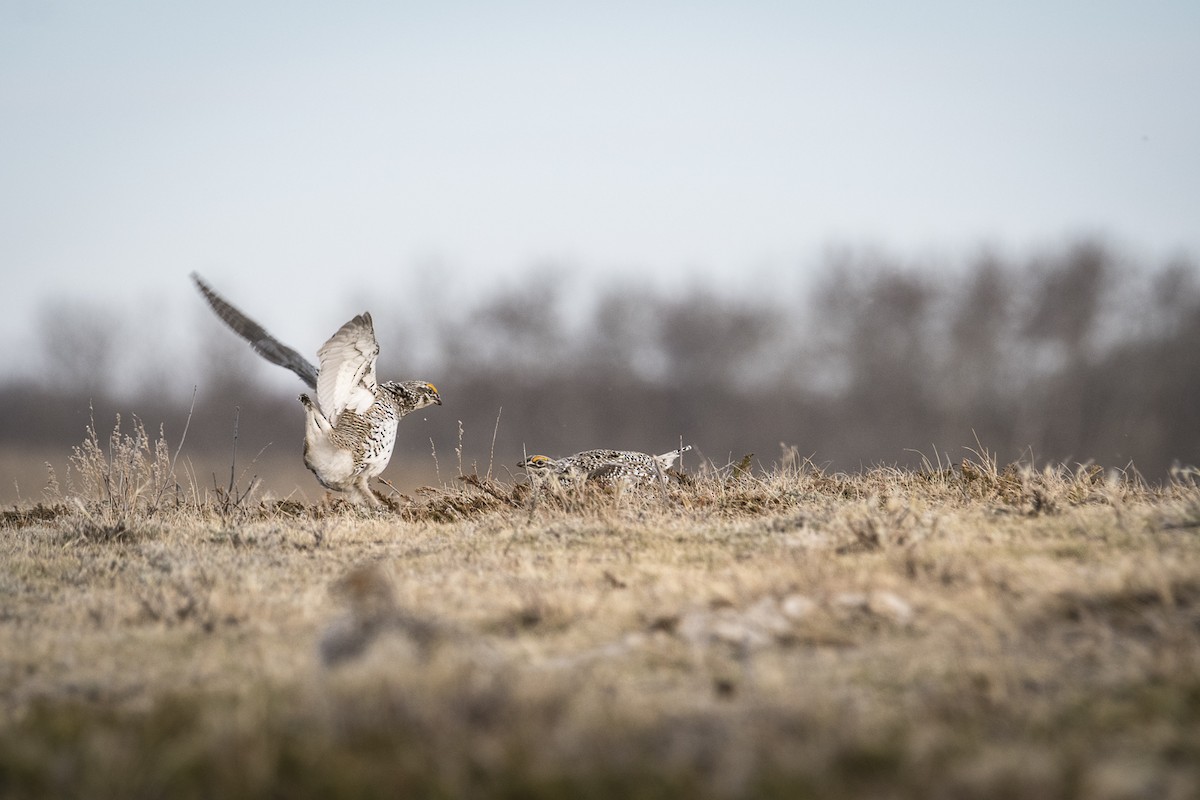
274,143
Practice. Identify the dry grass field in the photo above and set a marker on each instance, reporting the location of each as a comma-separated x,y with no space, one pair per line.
966,630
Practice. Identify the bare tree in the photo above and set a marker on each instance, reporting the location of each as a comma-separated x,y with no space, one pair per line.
1064,355
79,345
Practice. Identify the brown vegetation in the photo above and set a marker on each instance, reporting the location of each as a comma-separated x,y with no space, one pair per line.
951,631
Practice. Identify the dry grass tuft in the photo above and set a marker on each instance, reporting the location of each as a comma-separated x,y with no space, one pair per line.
131,477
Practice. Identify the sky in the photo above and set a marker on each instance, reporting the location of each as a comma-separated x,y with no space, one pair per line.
309,157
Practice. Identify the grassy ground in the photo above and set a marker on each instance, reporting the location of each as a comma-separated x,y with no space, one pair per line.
958,632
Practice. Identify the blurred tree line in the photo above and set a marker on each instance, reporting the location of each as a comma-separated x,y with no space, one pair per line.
1075,355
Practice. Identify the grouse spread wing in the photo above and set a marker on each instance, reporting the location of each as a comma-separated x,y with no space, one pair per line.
263,343
347,376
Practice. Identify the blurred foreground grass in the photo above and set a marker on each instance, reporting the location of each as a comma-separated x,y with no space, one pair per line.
962,631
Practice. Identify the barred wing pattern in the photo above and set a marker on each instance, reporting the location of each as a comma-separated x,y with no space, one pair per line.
263,343
348,439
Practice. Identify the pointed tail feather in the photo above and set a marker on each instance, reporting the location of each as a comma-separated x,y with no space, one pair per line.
667,460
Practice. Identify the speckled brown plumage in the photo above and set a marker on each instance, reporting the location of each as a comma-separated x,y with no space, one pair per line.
606,467
350,431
